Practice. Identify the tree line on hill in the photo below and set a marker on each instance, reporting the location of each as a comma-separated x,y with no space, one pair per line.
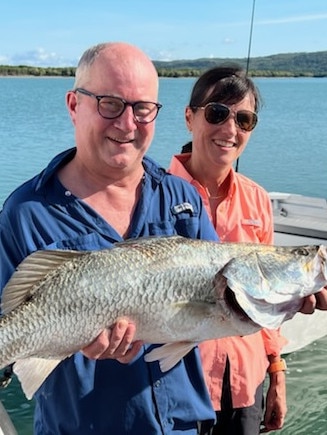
278,65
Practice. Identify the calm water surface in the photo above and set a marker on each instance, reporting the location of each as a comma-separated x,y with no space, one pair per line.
287,152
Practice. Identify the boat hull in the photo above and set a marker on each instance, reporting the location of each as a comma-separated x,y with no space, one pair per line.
300,220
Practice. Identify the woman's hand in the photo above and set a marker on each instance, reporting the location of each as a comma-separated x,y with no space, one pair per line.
276,407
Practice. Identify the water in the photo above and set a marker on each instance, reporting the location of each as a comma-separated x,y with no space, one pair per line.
287,152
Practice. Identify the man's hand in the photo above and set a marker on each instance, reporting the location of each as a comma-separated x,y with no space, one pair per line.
318,301
115,343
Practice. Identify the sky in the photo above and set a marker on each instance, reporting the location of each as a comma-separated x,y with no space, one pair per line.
56,32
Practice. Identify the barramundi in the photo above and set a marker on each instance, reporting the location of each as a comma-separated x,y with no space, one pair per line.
177,291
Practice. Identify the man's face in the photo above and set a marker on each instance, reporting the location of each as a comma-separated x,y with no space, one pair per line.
117,144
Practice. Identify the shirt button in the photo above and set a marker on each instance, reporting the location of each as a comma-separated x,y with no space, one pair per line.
157,384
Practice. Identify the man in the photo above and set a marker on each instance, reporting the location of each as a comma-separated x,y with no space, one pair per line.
104,191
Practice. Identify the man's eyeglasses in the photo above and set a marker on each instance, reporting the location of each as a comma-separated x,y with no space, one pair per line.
217,113
112,107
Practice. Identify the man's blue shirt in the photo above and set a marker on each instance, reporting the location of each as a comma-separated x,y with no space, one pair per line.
83,396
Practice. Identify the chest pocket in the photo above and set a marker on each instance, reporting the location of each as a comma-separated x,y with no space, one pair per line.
183,220
251,230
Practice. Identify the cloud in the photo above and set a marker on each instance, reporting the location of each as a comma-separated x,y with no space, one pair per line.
162,55
38,57
228,41
4,60
295,19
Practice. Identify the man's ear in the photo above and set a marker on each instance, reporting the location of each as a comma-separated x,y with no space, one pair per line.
71,103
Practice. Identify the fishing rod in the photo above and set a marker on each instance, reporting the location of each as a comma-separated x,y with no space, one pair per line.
6,425
248,57
250,39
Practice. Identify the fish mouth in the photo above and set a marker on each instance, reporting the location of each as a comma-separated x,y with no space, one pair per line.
231,301
322,252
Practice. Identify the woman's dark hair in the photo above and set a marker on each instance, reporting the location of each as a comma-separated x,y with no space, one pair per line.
227,84
187,148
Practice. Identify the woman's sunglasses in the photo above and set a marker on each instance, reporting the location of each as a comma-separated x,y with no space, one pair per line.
217,113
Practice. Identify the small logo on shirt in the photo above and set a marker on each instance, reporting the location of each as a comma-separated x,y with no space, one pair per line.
184,206
253,222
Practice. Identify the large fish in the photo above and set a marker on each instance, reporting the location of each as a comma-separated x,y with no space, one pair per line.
178,291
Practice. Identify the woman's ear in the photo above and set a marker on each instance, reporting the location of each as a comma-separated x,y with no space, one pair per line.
188,118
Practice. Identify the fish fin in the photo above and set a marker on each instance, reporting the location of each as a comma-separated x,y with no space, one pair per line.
148,240
169,354
32,372
29,272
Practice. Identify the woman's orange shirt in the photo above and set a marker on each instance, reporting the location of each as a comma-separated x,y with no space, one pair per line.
244,216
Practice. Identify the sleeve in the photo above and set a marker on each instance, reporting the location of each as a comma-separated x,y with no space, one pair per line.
273,341
15,242
9,248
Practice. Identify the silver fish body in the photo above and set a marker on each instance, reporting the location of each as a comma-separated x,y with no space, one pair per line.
174,289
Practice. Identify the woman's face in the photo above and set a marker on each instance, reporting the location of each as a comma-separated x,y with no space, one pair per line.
218,144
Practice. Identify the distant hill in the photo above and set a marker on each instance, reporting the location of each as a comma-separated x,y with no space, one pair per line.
277,65
289,64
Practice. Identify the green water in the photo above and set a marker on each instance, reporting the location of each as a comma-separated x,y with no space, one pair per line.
307,391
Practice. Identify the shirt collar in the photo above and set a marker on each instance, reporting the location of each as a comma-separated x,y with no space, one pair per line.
177,167
150,166
58,161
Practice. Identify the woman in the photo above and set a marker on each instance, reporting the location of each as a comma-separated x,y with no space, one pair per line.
221,115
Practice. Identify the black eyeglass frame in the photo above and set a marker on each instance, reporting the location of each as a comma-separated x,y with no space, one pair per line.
125,104
230,113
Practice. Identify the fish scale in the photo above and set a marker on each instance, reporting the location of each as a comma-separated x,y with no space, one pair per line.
177,291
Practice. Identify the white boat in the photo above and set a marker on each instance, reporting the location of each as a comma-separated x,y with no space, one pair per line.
300,220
